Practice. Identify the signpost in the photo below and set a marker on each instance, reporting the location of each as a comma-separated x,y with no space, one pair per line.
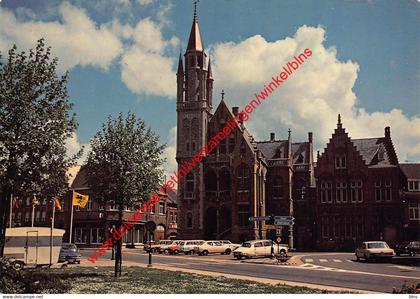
150,226
259,218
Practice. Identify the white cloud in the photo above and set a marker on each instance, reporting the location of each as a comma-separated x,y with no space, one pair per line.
144,67
169,153
311,98
145,2
76,40
74,146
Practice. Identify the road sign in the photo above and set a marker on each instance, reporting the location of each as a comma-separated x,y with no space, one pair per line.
284,218
288,222
259,218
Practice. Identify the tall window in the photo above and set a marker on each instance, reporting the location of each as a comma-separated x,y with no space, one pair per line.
43,216
341,192
80,235
189,220
378,191
231,143
414,211
326,192
340,161
189,186
89,205
97,235
359,226
243,178
210,182
37,214
348,229
244,212
161,208
356,191
388,190
277,187
186,133
337,227
27,216
225,181
325,227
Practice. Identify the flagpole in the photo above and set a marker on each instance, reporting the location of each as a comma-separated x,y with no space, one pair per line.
71,216
51,233
33,211
11,211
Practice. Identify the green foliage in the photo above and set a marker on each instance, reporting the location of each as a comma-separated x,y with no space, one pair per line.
34,123
124,164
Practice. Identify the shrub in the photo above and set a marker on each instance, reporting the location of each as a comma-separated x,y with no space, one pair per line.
407,289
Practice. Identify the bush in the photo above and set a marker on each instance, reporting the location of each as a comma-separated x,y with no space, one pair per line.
407,289
29,281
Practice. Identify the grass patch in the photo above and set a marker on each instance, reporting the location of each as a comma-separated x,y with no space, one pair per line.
137,280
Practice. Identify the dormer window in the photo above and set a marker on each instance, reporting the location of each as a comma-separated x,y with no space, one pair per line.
340,162
380,156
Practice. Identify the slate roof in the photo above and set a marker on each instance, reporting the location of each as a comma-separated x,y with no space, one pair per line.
371,150
411,170
276,149
80,181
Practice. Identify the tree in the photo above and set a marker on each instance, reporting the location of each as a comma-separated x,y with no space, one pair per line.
124,166
35,123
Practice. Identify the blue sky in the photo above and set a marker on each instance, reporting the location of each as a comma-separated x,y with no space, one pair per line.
379,38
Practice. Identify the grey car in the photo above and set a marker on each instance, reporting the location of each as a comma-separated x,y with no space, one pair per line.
69,253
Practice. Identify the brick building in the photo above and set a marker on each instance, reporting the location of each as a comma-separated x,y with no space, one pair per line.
91,224
411,201
243,177
358,184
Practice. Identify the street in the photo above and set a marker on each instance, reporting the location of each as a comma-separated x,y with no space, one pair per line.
330,269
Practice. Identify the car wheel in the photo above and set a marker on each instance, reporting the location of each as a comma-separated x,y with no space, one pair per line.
228,251
18,265
205,252
176,252
186,252
238,257
166,251
192,252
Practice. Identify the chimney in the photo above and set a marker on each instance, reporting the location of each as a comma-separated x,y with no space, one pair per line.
310,137
387,132
235,111
272,136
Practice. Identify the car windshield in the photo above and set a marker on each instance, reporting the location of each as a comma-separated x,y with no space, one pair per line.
377,245
246,244
69,247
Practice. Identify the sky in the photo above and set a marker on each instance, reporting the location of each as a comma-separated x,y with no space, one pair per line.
122,55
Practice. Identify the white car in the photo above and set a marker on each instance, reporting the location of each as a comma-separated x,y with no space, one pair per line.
231,245
374,250
213,247
189,246
164,245
259,248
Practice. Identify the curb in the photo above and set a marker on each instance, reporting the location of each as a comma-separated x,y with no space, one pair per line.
293,261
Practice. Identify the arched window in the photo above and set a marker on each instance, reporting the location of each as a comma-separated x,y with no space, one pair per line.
186,134
225,180
189,220
277,187
243,178
210,181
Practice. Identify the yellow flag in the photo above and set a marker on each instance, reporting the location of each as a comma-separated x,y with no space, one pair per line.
80,199
57,203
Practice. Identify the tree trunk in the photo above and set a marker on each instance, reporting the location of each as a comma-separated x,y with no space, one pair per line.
118,255
4,209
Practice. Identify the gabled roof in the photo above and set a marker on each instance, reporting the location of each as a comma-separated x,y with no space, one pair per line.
373,151
411,170
80,181
273,149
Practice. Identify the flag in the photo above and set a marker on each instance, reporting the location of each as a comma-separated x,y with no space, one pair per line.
80,199
57,203
35,201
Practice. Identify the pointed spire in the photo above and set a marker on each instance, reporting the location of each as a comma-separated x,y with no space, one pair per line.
180,65
223,94
209,71
194,41
290,133
339,121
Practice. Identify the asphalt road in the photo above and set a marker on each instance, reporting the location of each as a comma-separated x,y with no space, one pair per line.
332,269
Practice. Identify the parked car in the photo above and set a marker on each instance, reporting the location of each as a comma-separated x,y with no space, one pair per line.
174,247
410,247
163,246
231,245
69,253
155,245
190,246
213,247
371,250
259,248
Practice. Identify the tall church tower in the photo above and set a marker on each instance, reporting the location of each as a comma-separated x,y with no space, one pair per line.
194,104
